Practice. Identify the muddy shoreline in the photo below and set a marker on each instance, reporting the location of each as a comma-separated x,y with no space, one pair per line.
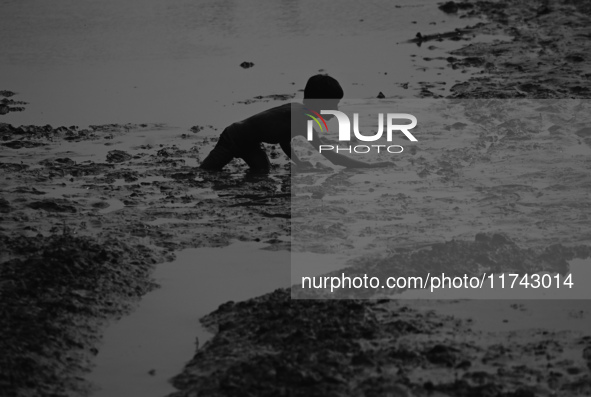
73,261
77,254
57,294
273,346
548,57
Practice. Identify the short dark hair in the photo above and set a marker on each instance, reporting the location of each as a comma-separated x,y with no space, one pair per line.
322,86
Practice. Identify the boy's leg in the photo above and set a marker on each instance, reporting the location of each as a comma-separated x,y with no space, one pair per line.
257,159
221,155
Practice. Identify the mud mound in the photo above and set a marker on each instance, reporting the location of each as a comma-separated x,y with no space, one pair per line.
22,144
118,156
303,348
55,293
274,346
539,62
55,205
10,105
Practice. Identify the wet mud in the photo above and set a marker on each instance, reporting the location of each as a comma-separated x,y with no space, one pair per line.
82,226
56,295
86,212
274,346
488,253
8,104
547,58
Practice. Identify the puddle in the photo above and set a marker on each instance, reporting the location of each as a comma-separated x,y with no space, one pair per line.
160,334
312,264
515,315
552,311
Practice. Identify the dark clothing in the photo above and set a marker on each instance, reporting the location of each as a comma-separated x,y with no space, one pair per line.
243,139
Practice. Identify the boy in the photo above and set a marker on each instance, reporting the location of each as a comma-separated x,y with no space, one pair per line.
243,139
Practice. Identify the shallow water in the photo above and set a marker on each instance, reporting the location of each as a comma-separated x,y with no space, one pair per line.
160,334
154,61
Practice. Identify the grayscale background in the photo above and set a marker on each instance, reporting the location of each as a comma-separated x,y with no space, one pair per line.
125,270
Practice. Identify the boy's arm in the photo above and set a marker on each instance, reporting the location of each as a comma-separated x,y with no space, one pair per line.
286,147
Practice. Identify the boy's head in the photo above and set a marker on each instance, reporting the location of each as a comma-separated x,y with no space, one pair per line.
322,92
322,86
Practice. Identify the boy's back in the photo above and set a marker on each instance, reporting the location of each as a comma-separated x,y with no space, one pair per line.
243,139
270,126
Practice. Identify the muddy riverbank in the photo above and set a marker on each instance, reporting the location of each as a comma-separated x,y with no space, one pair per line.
272,345
86,212
275,346
56,295
547,58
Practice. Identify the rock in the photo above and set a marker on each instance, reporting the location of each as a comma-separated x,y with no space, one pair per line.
118,156
450,7
4,206
246,65
100,204
22,144
53,206
576,58
441,354
543,10
461,87
65,161
381,95
183,176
